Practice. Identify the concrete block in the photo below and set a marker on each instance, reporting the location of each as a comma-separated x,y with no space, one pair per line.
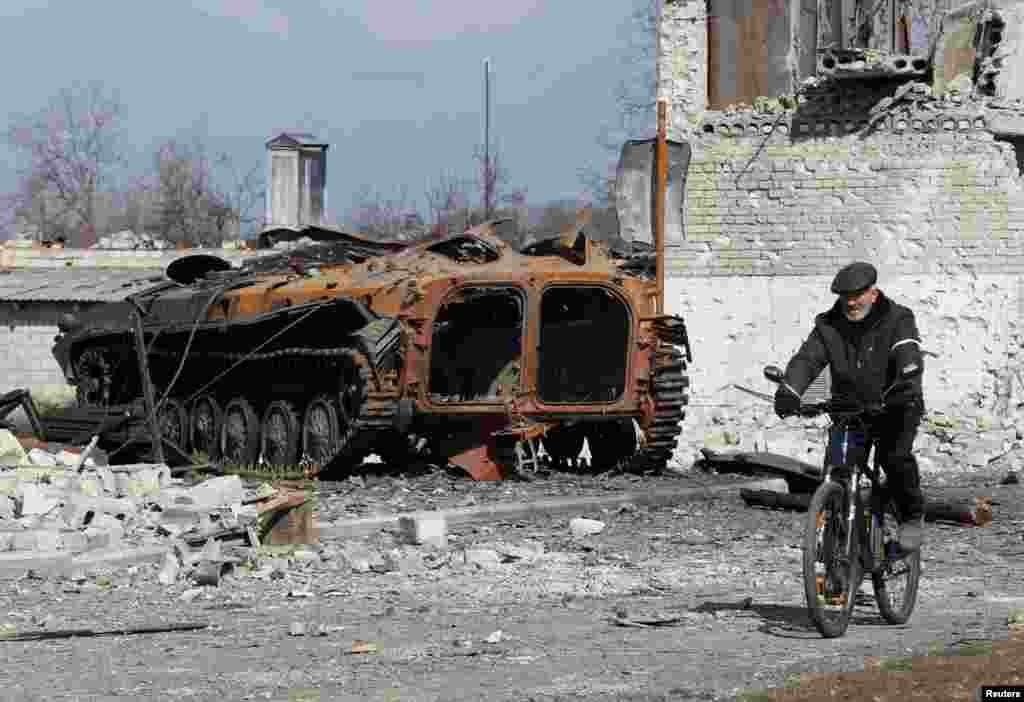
581,526
222,491
484,558
146,482
39,457
34,500
103,538
429,530
11,452
73,540
6,507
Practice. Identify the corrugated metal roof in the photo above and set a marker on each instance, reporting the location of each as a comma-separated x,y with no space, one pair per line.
80,285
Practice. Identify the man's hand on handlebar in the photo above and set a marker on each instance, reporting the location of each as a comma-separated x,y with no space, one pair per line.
786,403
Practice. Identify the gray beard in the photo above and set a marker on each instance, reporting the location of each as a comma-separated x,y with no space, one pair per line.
866,310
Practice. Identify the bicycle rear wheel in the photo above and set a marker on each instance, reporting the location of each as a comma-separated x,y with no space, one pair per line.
895,579
831,576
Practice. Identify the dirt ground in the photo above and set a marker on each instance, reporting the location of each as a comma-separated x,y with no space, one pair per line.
700,601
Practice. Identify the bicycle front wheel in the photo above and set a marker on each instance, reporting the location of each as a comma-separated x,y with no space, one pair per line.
896,577
831,575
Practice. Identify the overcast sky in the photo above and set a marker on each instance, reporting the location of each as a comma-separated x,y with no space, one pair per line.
395,86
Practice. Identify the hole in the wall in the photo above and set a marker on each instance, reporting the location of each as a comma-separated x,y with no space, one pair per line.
919,64
828,62
995,37
709,129
900,63
845,59
1018,152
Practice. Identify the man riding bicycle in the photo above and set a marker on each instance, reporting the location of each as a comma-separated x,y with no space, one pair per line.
865,339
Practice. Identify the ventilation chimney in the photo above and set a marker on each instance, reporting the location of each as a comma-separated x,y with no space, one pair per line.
296,190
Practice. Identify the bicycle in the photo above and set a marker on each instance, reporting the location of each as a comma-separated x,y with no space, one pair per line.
852,526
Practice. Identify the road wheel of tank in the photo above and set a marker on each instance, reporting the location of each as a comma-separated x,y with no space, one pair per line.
172,418
280,434
204,427
564,445
240,433
353,387
94,371
611,443
320,431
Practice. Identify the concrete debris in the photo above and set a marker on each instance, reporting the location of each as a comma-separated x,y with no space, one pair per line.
581,527
483,558
122,514
431,530
218,492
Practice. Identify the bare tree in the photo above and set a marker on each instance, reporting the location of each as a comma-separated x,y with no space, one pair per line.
388,217
70,152
203,201
635,99
448,200
241,194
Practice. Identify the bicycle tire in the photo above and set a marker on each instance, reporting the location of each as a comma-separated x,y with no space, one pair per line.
892,612
828,501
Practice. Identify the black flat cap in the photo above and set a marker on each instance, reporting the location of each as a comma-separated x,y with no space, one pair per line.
854,277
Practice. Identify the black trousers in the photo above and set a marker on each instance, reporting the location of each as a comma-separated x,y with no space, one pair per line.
894,434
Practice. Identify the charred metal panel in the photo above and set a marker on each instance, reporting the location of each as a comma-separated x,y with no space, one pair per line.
634,188
750,50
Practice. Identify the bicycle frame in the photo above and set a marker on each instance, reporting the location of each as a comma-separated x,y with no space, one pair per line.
849,445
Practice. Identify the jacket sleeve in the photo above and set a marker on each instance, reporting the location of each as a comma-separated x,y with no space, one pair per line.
808,362
906,346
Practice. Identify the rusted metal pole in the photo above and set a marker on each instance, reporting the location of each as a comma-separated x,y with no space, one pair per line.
147,390
661,186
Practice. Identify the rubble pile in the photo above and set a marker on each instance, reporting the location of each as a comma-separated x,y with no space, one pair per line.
67,502
966,440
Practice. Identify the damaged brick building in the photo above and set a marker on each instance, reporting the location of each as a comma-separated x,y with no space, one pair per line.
830,130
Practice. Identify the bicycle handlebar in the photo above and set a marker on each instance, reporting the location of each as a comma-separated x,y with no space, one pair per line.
847,409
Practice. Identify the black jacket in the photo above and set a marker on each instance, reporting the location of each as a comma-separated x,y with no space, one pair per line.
864,357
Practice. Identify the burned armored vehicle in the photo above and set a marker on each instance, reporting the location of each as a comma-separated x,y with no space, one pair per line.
460,348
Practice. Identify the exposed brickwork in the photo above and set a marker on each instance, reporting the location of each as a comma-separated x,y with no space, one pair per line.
682,52
25,356
922,202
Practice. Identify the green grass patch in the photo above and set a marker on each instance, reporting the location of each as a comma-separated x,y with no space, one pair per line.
973,647
752,696
896,663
